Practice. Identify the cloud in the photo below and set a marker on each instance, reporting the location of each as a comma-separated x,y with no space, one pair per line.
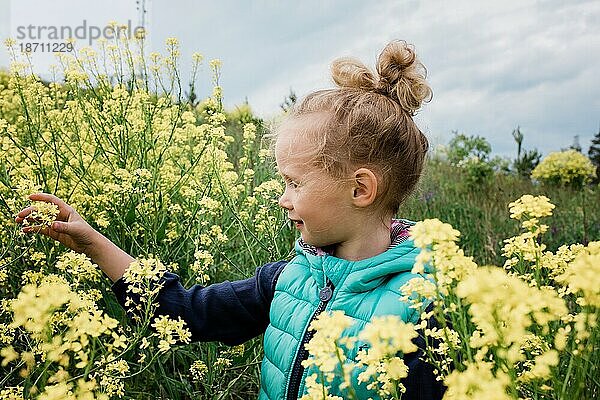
492,65
496,65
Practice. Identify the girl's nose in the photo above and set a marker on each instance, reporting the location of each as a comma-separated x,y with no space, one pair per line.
284,200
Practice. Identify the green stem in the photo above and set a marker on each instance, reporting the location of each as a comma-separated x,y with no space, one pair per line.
566,379
584,217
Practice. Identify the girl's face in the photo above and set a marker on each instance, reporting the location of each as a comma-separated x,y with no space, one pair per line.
319,205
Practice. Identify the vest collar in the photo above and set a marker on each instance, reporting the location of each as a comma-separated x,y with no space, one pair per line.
362,275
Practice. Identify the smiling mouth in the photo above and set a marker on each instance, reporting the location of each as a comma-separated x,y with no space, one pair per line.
297,222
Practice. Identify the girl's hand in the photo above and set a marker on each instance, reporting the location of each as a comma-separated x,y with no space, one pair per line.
72,231
69,228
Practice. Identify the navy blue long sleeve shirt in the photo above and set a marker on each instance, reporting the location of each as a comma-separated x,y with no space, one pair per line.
234,312
227,312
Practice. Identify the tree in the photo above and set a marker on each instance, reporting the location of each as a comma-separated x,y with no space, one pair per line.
462,147
575,146
191,96
289,101
594,154
526,160
519,139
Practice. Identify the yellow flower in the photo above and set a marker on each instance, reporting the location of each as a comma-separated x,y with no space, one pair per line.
477,382
143,272
565,167
43,214
529,206
170,332
34,305
198,370
197,57
316,390
523,246
8,354
582,275
323,347
541,366
12,393
416,290
431,231
202,261
79,266
249,132
172,41
388,336
503,307
215,64
222,362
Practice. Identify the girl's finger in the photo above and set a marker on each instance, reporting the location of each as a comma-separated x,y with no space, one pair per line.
41,196
23,213
33,229
42,230
63,208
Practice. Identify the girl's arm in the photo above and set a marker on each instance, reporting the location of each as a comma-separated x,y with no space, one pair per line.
75,233
230,312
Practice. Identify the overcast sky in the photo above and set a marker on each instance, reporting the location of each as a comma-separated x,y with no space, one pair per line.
492,65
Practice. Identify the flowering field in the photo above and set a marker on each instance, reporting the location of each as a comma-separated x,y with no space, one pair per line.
190,188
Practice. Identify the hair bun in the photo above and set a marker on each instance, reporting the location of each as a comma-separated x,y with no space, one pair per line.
351,73
402,76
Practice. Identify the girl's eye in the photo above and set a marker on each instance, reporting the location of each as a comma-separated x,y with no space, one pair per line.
292,184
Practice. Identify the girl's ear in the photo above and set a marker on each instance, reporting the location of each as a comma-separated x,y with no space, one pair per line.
364,188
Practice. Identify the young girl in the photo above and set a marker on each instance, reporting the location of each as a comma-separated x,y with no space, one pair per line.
349,157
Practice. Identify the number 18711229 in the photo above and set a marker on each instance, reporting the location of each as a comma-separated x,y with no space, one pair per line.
48,47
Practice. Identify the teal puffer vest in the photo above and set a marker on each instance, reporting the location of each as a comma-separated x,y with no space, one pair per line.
362,289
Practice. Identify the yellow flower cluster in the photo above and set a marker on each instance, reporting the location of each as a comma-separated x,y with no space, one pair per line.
324,345
65,326
202,261
541,365
69,391
518,325
437,241
530,207
430,231
258,209
143,283
582,275
526,246
380,366
79,267
43,214
503,307
111,373
142,272
419,292
316,390
476,382
198,370
389,338
170,332
11,393
565,167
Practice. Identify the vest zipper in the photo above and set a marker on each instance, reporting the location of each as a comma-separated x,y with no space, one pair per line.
298,370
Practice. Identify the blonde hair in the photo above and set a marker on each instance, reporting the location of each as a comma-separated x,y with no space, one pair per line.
369,122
